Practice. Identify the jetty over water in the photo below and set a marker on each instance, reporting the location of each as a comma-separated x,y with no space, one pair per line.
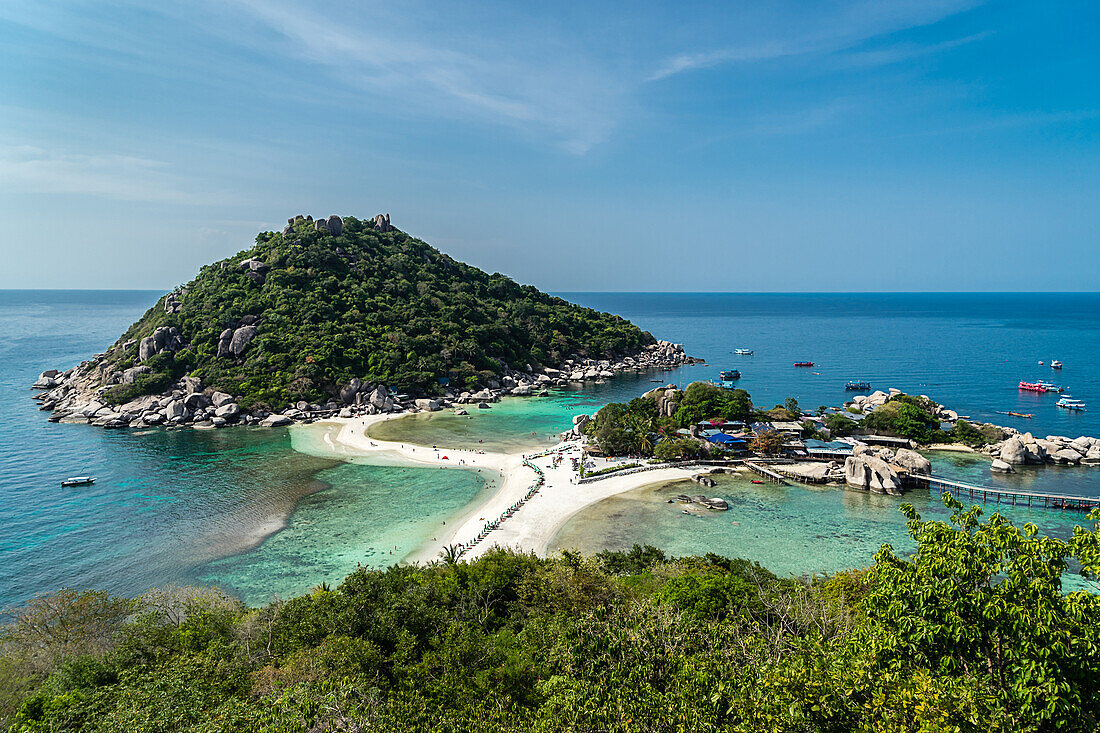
1016,498
762,470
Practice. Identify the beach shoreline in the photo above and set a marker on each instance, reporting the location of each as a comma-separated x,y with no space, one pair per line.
531,527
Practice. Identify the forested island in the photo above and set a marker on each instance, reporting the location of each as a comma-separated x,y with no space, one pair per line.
340,312
974,632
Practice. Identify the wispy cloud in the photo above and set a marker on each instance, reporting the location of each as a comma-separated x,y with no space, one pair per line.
571,102
31,169
901,52
838,28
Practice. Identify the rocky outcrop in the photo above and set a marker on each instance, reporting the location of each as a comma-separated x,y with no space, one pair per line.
172,302
912,462
1013,452
224,340
240,339
335,225
382,223
350,390
999,466
164,338
667,398
872,473
1066,455
577,431
129,375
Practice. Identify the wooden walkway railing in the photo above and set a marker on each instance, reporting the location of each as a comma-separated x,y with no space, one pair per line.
764,471
1016,498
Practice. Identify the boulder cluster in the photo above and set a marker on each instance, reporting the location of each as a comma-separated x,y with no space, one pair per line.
164,338
334,225
172,301
868,403
880,470
1025,448
232,342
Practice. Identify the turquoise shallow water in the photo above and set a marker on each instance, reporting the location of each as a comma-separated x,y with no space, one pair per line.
210,506
513,424
791,530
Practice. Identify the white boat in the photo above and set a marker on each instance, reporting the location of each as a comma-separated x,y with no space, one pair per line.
1069,403
78,481
1055,364
743,352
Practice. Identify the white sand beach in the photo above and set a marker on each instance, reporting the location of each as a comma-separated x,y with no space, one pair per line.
533,525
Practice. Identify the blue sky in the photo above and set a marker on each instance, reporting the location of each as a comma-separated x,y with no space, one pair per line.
764,146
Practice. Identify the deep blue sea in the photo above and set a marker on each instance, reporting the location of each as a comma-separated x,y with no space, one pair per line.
244,510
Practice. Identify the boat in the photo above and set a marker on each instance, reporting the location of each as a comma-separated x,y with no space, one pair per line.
757,481
729,375
1050,386
1055,364
1014,414
1069,403
861,384
78,481
804,363
743,352
1032,387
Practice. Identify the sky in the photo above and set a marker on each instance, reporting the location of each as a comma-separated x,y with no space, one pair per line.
852,145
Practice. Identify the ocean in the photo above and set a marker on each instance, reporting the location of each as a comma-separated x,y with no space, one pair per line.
261,513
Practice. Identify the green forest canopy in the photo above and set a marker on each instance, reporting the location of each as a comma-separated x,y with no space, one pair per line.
974,632
381,306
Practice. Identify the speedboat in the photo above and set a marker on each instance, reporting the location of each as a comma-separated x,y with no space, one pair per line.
743,352
729,375
78,481
1055,364
804,363
1069,403
860,385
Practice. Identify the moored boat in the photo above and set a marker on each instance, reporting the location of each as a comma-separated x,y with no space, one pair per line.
1069,403
858,384
1055,364
729,375
78,481
804,363
1032,387
743,352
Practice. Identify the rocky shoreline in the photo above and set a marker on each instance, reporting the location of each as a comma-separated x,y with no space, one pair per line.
77,394
1006,447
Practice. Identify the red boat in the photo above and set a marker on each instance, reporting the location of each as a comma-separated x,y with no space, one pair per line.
804,363
1032,387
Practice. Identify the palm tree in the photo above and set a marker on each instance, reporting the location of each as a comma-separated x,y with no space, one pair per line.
450,554
640,438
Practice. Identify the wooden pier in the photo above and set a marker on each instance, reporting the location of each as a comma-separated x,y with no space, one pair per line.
764,471
1015,498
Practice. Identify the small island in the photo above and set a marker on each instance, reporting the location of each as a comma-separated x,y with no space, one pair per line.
341,314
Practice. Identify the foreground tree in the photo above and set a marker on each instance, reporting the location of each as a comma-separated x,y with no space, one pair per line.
984,601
